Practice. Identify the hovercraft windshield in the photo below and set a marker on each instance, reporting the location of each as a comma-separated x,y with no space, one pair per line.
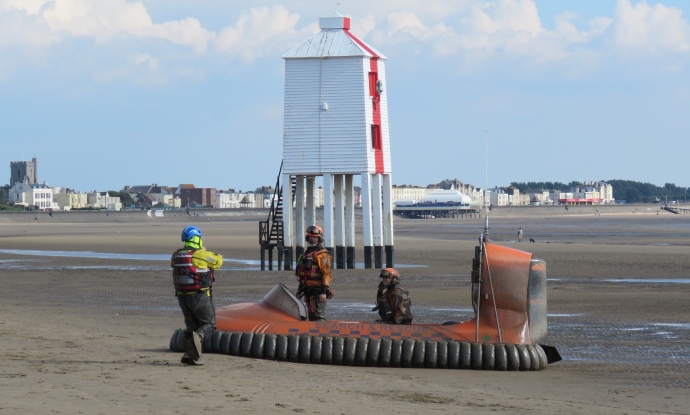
284,300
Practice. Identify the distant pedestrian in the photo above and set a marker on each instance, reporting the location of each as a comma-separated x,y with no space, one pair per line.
520,235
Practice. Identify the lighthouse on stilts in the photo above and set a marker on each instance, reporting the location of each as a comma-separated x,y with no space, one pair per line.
336,126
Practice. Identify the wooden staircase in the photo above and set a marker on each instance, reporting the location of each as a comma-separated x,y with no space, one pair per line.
272,231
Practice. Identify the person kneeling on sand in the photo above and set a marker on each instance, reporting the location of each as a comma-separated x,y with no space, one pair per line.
193,278
392,300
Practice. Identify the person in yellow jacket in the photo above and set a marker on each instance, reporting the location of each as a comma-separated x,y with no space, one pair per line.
314,274
193,279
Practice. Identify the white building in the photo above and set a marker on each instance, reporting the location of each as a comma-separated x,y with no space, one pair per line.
558,196
498,197
477,195
101,200
409,193
36,195
605,193
233,200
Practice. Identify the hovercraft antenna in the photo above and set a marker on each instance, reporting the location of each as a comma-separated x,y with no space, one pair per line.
486,186
483,257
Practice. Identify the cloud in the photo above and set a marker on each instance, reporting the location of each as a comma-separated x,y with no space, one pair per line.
101,20
32,7
501,27
651,28
140,58
464,31
362,26
406,22
261,31
19,28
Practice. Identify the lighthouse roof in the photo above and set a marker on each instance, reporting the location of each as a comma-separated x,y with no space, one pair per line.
334,40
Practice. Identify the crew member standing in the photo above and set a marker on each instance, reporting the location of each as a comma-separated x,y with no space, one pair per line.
193,278
520,235
392,300
314,274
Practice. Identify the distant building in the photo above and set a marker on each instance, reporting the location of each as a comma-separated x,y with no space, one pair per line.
589,193
101,200
68,200
514,198
409,193
498,197
539,197
229,199
477,195
560,197
32,195
181,189
606,193
196,197
149,196
24,172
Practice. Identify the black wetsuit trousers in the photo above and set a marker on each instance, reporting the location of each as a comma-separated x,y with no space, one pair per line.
316,309
199,313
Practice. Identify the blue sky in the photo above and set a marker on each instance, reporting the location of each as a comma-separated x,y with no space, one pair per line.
110,93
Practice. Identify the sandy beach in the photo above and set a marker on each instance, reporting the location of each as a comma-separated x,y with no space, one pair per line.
90,334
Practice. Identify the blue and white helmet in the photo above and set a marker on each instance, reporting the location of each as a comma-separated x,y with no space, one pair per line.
189,232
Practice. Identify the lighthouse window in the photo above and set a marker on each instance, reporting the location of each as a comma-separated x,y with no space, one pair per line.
376,137
373,77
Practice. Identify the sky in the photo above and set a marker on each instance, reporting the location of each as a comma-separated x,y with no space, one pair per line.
108,93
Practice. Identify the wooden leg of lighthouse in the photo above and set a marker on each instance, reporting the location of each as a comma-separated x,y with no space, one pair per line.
299,216
310,214
288,235
328,212
339,221
378,228
350,221
388,220
366,219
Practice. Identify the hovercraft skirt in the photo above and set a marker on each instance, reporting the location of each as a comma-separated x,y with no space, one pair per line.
351,351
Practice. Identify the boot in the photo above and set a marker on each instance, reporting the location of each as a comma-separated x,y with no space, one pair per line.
199,362
192,345
185,359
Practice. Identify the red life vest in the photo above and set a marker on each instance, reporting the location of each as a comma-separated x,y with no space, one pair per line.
395,305
308,270
187,277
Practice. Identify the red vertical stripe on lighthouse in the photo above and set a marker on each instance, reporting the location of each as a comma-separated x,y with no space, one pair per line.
376,105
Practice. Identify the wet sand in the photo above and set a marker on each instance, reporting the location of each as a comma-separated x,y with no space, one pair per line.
89,335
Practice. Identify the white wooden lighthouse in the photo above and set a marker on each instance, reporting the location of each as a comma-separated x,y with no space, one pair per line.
336,126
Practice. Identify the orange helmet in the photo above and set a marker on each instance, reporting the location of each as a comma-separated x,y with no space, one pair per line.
391,272
314,230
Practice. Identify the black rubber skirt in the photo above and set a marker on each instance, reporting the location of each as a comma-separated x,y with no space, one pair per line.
351,351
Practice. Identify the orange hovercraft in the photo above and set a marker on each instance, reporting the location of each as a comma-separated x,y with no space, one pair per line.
509,299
